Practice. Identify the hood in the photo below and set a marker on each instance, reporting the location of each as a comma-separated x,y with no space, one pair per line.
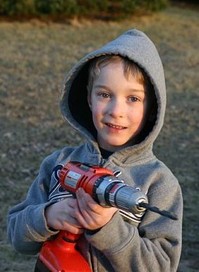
134,45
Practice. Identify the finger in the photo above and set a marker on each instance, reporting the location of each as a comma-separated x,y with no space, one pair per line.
73,229
71,202
88,219
84,214
85,201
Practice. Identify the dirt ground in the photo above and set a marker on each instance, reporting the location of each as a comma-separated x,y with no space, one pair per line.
34,58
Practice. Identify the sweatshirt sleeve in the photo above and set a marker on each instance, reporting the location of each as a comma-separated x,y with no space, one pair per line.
155,245
27,228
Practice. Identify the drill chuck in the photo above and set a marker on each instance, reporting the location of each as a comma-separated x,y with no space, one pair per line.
111,191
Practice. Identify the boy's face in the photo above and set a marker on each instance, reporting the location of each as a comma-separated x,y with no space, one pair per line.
118,106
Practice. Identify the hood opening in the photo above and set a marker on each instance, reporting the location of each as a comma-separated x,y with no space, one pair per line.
77,101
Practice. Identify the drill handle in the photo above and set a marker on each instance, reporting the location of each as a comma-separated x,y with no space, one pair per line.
68,236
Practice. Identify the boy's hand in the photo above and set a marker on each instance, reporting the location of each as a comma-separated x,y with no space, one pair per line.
91,215
60,216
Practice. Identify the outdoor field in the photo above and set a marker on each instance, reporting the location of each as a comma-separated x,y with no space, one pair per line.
34,58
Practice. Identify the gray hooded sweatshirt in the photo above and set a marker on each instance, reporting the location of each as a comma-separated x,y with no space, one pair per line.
127,242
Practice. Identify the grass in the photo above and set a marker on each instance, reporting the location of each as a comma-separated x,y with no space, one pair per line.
34,58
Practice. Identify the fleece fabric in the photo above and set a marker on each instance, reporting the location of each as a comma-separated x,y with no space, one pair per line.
131,244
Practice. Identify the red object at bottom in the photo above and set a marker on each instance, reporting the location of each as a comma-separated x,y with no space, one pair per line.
61,255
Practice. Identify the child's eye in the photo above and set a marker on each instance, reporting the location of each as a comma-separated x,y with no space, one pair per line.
103,94
133,99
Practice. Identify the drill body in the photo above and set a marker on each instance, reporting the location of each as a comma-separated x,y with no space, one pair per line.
103,186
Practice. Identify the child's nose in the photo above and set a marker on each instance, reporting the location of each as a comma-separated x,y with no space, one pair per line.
116,108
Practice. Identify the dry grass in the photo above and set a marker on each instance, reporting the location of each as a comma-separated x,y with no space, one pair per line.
34,58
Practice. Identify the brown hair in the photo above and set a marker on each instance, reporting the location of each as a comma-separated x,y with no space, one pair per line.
129,68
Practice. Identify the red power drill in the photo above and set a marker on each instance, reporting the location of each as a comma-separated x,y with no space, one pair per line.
61,254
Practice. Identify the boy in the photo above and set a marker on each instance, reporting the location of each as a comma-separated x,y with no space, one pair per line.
116,98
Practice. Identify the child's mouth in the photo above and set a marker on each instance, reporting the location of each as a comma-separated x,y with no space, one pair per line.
115,126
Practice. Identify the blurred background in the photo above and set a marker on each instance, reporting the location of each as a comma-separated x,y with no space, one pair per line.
39,42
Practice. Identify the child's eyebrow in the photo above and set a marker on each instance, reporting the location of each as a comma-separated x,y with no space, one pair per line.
139,91
102,87
142,90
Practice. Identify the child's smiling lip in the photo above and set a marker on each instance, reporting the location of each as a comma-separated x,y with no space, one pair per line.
115,126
